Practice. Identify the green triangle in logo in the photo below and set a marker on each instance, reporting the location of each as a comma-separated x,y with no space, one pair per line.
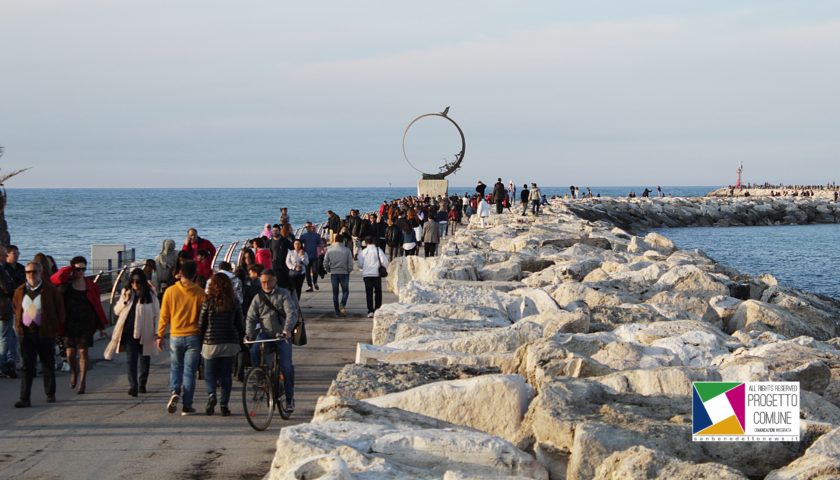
710,390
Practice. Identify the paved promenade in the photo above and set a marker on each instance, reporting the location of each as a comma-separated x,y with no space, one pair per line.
107,434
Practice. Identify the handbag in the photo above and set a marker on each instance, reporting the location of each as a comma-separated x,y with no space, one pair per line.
383,272
299,332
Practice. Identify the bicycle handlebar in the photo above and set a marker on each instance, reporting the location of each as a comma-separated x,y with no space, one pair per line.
267,340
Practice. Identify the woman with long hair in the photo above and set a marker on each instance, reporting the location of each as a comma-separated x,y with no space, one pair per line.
83,316
222,332
138,311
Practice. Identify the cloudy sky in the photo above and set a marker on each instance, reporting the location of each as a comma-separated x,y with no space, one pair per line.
294,94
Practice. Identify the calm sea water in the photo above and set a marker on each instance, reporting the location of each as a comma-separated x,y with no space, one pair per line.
66,222
800,256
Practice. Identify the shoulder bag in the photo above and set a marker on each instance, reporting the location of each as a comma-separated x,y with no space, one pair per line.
383,272
299,332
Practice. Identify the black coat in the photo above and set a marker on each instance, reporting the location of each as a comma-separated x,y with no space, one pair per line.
221,327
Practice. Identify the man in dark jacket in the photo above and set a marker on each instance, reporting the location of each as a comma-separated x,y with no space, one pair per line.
279,247
39,316
523,198
499,195
334,224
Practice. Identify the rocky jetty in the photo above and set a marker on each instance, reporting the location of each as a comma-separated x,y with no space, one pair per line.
564,347
825,192
639,214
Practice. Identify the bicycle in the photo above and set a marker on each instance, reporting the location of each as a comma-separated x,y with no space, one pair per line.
262,390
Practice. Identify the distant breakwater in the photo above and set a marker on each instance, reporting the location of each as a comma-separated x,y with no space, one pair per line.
641,214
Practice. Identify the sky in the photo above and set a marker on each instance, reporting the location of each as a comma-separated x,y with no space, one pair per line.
296,94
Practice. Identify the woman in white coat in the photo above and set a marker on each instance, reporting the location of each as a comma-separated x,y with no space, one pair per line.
483,210
138,310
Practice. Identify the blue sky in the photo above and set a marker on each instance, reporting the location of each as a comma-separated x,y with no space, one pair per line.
293,94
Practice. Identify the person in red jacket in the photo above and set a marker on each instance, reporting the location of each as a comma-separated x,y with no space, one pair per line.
193,244
83,316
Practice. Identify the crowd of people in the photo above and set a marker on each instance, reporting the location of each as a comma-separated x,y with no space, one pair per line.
204,313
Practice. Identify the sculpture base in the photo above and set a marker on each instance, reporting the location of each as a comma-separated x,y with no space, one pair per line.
433,188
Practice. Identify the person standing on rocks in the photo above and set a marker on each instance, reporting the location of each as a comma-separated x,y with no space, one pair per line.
39,316
535,196
370,260
393,240
524,197
480,188
483,210
338,262
180,309
499,195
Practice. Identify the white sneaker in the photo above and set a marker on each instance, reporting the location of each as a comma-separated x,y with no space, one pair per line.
370,314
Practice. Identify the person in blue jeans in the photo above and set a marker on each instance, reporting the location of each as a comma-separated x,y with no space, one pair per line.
338,262
273,314
181,307
222,332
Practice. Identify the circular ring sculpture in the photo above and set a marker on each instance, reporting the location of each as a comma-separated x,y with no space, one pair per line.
448,168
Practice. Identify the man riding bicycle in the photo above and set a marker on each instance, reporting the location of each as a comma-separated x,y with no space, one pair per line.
274,314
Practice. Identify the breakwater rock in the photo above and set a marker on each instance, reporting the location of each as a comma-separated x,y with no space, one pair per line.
639,214
565,347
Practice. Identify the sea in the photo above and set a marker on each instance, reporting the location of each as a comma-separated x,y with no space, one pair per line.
67,222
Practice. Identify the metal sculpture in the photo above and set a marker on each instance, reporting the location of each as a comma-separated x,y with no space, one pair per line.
447,168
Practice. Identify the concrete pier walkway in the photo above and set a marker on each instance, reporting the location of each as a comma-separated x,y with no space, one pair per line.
107,434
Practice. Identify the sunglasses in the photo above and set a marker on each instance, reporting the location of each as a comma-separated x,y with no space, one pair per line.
80,269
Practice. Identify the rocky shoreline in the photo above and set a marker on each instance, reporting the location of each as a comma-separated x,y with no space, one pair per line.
564,346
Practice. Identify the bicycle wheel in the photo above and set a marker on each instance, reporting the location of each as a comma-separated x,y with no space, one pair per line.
258,398
281,399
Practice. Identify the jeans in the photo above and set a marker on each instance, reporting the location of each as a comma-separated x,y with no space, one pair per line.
343,280
373,285
429,249
392,252
134,349
184,353
32,347
444,228
535,207
357,246
524,207
8,345
450,230
312,272
284,348
219,369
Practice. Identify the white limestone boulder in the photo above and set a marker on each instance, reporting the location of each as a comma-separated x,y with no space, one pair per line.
641,463
439,316
667,381
820,462
494,404
764,317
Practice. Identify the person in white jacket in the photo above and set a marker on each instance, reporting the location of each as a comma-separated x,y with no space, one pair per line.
370,259
483,210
